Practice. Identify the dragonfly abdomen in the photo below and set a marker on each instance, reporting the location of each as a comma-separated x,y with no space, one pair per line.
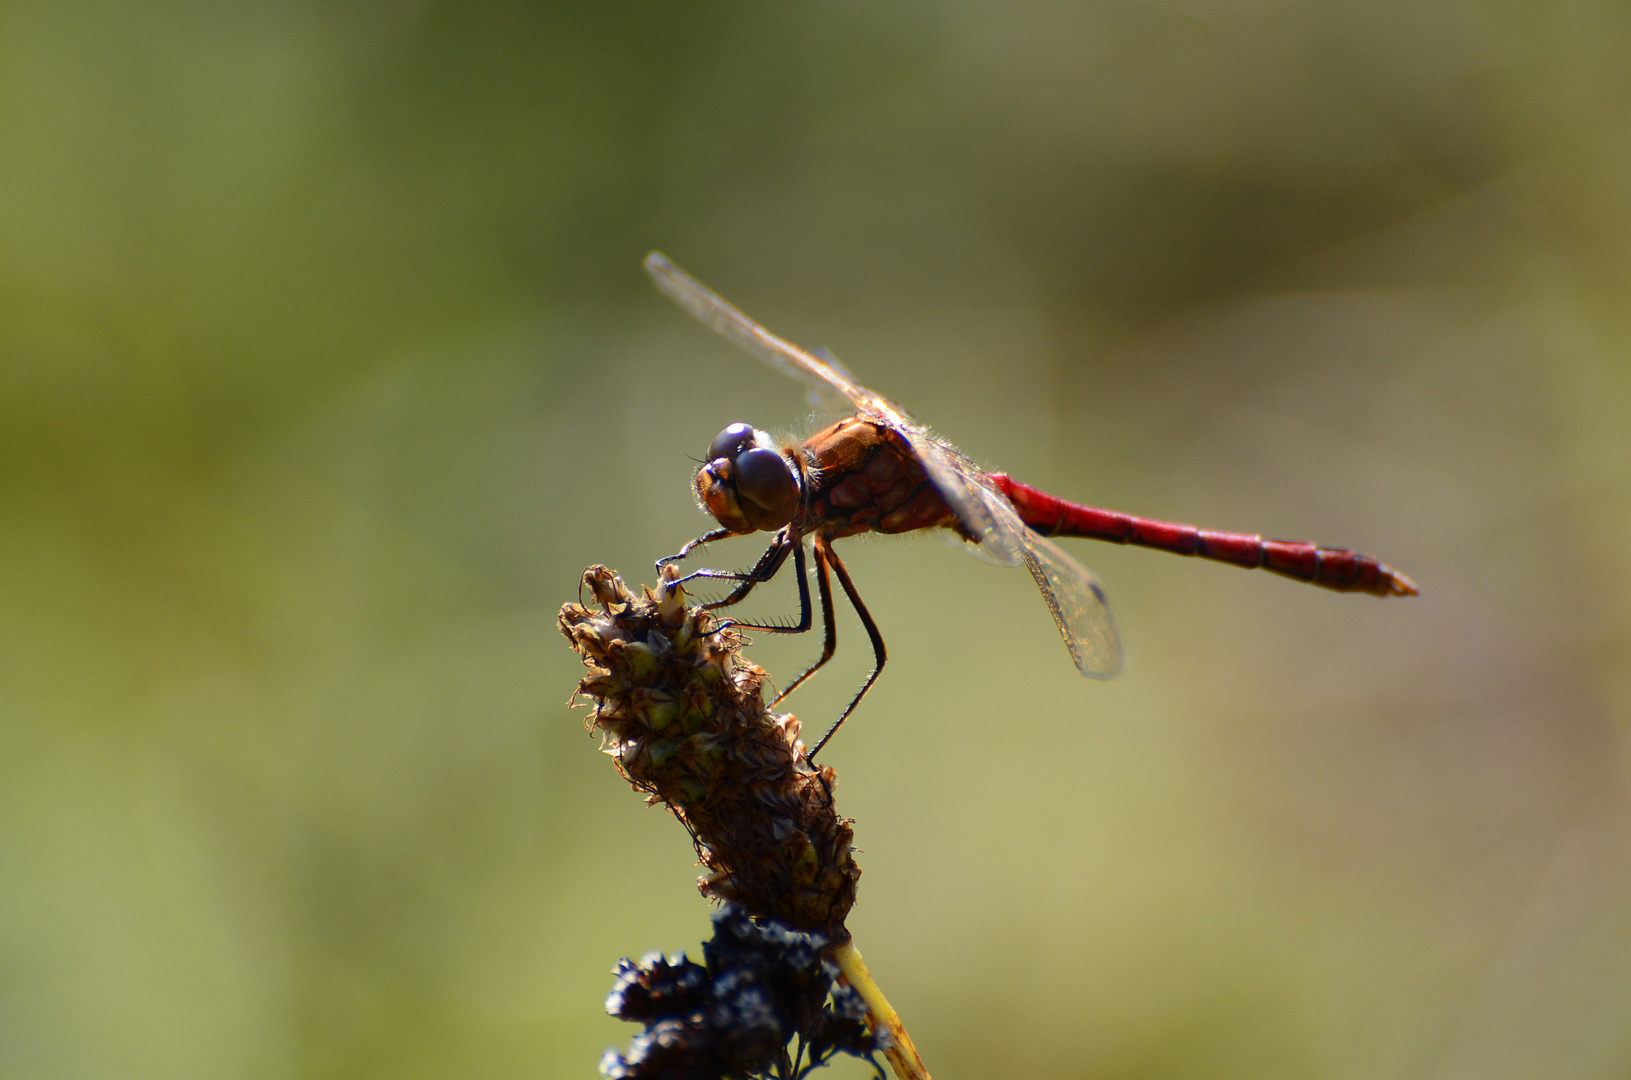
1330,568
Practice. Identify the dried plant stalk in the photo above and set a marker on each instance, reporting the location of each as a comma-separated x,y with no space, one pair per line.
880,1015
682,715
685,720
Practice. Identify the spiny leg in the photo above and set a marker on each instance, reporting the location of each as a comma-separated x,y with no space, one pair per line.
769,565
706,538
829,624
797,547
765,569
879,653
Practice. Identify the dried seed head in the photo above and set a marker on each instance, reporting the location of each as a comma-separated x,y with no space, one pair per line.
764,984
682,714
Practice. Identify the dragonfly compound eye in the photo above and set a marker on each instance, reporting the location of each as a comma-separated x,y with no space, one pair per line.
767,490
730,442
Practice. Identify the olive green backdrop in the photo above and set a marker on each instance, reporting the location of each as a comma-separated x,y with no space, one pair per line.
327,364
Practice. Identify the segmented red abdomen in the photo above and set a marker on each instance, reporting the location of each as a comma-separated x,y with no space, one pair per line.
1332,568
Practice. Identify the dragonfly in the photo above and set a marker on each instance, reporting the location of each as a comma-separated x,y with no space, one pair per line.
879,470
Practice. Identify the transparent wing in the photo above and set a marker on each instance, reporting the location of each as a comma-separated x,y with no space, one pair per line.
1074,596
987,515
823,399
714,312
825,355
953,474
1076,600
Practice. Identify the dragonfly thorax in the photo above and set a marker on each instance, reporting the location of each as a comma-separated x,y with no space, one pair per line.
748,483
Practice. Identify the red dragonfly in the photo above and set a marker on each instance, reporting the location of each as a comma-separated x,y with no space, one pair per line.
881,471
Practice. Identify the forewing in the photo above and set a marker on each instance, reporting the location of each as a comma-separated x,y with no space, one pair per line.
1076,600
714,312
823,398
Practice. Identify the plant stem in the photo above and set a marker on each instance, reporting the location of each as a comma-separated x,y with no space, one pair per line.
901,1053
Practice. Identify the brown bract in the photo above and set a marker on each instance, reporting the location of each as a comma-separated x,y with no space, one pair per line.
683,716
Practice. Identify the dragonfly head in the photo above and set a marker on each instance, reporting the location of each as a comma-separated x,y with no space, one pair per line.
748,484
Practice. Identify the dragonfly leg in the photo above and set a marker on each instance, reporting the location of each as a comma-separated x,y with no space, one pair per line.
879,653
706,538
803,625
766,568
769,565
762,571
829,625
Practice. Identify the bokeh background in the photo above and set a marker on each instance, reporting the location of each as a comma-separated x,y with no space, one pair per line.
327,364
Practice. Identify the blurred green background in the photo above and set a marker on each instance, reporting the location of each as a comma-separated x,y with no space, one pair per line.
327,364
